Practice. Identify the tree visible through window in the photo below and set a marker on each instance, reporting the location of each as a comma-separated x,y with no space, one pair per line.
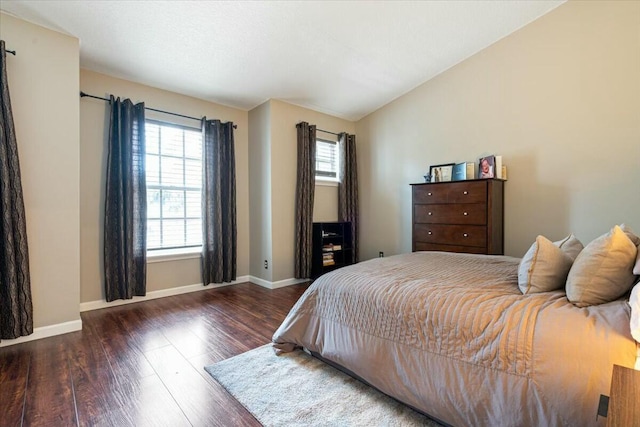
174,186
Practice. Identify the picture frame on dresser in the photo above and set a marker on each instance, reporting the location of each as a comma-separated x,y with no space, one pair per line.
441,173
486,167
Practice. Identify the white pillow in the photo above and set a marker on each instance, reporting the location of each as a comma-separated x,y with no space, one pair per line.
570,245
544,267
603,271
634,302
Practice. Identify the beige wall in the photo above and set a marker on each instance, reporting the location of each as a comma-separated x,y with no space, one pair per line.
325,203
284,118
43,83
260,191
559,100
93,155
273,132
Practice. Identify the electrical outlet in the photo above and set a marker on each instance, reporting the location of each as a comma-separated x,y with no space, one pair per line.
266,264
380,254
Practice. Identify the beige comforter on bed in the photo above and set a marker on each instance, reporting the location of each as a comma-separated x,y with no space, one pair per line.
451,335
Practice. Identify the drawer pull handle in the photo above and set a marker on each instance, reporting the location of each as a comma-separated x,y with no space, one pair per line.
465,214
465,192
429,193
430,213
429,233
465,235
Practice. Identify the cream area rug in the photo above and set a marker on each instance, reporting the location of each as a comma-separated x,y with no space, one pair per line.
296,389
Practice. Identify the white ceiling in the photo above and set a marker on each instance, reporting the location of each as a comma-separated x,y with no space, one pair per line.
344,58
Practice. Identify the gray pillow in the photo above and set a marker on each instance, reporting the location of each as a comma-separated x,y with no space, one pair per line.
570,245
630,234
603,271
544,267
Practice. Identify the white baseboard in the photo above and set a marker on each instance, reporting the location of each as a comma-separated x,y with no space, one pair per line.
275,285
46,332
97,305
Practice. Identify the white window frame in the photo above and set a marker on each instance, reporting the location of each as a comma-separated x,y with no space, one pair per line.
328,180
175,253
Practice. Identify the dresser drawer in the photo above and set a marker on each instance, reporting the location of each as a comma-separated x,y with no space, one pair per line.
451,214
467,192
461,235
450,192
421,246
430,193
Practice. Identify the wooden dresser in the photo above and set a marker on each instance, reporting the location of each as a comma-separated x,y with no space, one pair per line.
459,216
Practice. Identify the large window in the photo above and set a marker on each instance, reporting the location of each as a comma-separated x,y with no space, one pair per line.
326,160
174,186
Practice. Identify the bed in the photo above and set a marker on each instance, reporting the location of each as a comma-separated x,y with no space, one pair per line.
453,336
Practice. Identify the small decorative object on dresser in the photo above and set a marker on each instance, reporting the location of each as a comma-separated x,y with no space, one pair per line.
441,173
459,216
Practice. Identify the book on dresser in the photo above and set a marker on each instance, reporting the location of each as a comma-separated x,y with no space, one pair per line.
331,247
459,216
463,171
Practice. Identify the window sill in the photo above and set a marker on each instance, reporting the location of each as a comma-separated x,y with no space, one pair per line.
165,255
327,182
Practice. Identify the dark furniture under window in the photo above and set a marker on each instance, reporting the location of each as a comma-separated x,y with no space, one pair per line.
331,247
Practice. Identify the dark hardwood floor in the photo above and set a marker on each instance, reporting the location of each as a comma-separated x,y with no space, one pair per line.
142,364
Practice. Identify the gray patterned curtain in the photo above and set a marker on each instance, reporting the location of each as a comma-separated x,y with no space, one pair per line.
16,308
305,189
125,220
219,230
348,188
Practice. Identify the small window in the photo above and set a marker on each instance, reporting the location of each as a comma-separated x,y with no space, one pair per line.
174,186
326,160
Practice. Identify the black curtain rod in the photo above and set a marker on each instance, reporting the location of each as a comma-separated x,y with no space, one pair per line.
83,94
326,131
